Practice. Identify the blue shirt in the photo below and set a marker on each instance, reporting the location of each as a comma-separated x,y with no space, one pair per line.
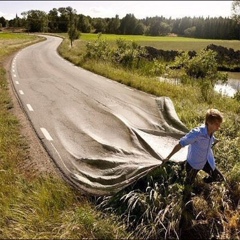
199,149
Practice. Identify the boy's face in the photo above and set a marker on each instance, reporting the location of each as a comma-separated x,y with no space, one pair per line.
214,126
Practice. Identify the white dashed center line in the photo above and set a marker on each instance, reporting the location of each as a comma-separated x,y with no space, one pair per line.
21,92
30,107
46,134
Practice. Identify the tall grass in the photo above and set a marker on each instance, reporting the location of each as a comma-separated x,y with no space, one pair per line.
214,211
38,206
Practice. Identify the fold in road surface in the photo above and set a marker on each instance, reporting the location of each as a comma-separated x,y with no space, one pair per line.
101,134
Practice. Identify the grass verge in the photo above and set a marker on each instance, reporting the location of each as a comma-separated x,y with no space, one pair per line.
38,206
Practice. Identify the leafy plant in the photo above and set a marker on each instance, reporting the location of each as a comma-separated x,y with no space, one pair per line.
201,69
152,211
98,50
237,95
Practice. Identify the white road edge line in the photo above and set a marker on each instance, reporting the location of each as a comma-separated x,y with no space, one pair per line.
17,82
30,107
60,157
129,88
21,92
46,134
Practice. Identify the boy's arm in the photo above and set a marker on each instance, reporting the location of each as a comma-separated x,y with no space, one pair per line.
175,150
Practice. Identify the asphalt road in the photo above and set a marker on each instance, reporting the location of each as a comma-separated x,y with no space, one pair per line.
101,134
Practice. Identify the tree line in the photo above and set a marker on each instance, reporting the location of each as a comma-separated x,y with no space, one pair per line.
61,19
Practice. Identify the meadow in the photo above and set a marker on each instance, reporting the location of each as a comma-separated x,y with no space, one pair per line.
165,43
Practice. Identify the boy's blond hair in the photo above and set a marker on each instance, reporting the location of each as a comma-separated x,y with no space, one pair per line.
213,115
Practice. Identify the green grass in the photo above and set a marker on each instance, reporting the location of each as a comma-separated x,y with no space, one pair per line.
165,43
10,36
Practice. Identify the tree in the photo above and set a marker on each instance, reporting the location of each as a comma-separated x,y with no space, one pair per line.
113,25
53,20
3,21
100,25
36,20
73,32
236,13
184,23
84,24
139,29
164,29
128,24
154,28
190,32
236,10
63,19
158,26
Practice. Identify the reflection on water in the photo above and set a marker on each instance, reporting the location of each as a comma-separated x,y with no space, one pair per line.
228,89
225,90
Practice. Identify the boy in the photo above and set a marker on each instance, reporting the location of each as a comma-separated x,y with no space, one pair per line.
200,154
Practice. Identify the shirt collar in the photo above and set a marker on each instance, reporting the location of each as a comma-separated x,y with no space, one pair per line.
205,130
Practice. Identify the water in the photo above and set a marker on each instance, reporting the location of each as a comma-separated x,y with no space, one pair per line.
229,89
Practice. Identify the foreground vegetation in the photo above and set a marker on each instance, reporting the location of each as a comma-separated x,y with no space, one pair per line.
158,209
38,206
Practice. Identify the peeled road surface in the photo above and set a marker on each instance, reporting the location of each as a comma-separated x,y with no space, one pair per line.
101,134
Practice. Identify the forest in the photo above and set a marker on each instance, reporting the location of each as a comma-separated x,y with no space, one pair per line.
58,20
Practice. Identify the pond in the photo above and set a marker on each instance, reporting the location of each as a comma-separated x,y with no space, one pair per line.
229,89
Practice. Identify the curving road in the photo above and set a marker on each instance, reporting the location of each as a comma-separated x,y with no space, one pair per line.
101,134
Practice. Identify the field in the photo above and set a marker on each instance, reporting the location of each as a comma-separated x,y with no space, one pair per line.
165,43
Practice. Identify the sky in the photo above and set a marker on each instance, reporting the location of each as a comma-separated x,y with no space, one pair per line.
109,9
